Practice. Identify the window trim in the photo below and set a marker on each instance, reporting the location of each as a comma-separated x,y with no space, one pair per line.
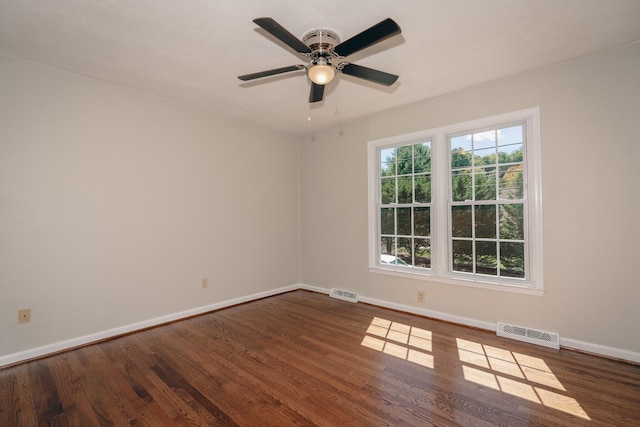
440,171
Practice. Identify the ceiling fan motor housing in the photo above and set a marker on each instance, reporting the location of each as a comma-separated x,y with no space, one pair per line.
321,42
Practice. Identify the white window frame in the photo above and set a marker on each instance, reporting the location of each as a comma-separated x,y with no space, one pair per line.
440,172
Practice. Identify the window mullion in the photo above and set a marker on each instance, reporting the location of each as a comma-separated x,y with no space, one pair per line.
441,212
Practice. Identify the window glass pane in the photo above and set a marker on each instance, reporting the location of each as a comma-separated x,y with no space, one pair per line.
387,249
387,221
485,183
387,168
405,189
405,251
485,221
405,167
511,182
461,221
422,157
461,143
388,190
510,135
405,160
387,161
422,221
461,185
422,253
423,188
510,154
460,158
404,221
484,140
512,259
462,256
512,222
487,258
486,156
387,154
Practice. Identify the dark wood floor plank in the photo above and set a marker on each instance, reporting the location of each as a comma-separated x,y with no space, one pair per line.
302,358
26,411
178,411
133,361
204,375
45,393
111,397
9,398
196,399
77,409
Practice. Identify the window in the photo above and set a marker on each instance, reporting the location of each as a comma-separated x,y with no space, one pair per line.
405,205
487,202
460,204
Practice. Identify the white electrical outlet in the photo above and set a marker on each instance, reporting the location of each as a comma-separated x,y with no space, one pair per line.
204,282
421,296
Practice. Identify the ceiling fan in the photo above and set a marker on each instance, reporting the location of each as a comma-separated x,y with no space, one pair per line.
323,47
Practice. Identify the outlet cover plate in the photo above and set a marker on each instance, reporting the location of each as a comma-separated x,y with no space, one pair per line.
24,315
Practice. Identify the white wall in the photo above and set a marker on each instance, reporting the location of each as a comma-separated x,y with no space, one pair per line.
114,204
590,108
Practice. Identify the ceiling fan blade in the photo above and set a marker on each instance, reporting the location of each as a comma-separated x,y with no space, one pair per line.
271,72
370,74
279,32
317,92
381,31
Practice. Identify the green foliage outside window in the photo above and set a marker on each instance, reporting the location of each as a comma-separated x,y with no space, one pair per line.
487,189
405,184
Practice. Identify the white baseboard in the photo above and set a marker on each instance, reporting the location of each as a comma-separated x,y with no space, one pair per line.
315,289
568,343
430,313
110,333
602,350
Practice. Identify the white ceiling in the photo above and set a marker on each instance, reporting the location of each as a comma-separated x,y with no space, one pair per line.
193,50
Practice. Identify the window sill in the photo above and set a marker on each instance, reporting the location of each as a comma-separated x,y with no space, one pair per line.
450,280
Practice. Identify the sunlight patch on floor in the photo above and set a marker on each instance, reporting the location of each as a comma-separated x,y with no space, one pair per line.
512,373
399,340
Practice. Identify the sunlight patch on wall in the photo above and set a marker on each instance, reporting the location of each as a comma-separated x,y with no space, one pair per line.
399,340
512,373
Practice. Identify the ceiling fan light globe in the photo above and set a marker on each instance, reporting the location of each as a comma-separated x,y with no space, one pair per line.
321,74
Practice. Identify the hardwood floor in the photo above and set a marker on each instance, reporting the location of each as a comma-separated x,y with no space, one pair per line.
303,358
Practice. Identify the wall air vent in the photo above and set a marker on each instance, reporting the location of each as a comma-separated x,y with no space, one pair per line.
344,295
532,336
